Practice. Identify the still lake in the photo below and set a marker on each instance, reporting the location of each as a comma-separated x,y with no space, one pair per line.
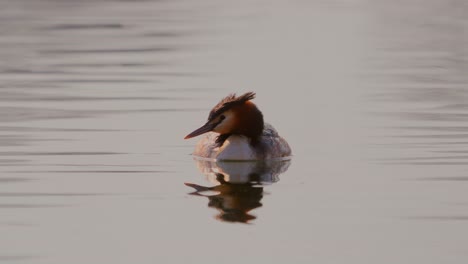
96,97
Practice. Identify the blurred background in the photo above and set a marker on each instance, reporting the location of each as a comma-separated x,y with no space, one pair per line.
96,97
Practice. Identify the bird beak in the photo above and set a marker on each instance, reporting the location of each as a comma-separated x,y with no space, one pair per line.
205,128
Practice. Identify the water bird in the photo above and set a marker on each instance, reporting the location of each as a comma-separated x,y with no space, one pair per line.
235,130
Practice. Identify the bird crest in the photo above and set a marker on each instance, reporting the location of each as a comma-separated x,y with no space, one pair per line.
228,102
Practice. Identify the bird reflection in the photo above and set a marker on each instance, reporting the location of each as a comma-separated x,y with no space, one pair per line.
239,186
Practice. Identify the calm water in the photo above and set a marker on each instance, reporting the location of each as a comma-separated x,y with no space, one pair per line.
96,96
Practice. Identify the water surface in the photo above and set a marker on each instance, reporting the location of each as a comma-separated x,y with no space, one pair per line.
96,97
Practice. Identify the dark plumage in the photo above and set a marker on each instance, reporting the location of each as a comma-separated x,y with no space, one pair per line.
228,102
221,138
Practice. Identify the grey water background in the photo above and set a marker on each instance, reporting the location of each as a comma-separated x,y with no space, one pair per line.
96,96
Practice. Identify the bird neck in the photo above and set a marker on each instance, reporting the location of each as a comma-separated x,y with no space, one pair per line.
249,122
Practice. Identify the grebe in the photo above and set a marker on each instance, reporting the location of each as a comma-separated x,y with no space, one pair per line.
236,131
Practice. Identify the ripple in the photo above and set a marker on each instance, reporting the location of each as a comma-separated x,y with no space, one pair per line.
7,162
13,180
442,218
16,257
433,128
448,178
433,163
30,206
100,51
38,97
15,114
106,65
10,114
425,116
70,153
433,136
88,171
47,129
166,34
84,26
36,194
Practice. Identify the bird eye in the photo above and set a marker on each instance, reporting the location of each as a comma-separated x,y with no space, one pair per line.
222,117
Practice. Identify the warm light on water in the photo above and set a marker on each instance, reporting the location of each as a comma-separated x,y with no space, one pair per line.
96,97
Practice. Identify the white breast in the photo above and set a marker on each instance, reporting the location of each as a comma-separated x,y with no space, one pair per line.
236,148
